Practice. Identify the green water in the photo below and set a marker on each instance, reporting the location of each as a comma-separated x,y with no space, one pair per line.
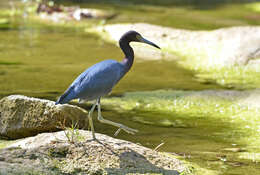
41,61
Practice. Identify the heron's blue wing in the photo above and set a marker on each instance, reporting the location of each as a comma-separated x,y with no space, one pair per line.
96,81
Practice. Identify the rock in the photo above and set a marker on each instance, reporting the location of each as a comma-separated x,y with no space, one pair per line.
234,149
222,47
22,116
79,14
51,153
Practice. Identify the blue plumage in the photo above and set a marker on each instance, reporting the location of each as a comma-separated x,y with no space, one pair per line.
94,82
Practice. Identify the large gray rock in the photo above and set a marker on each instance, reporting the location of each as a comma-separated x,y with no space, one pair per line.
22,116
51,153
216,48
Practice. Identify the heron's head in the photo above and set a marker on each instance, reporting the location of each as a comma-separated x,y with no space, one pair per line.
136,37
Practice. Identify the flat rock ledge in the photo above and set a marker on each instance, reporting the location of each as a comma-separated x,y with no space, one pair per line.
51,153
22,116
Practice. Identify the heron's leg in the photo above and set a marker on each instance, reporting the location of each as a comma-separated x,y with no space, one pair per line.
120,126
90,119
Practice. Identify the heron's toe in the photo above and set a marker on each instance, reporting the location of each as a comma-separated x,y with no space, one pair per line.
131,131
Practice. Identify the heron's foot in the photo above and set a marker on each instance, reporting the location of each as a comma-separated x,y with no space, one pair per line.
119,125
126,129
94,137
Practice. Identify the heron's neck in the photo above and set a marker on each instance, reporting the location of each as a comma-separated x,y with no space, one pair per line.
129,55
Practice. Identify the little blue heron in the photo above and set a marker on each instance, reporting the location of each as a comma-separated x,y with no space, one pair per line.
99,79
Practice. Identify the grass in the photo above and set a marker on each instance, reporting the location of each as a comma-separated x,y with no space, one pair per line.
72,133
5,143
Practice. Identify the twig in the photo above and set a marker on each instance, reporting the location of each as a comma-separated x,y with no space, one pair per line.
157,147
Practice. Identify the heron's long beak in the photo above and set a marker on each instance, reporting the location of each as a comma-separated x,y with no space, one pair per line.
148,42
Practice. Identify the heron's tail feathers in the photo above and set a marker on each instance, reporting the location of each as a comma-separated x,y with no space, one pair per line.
61,99
65,98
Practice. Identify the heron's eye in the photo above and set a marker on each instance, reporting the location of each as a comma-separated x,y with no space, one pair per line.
138,37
